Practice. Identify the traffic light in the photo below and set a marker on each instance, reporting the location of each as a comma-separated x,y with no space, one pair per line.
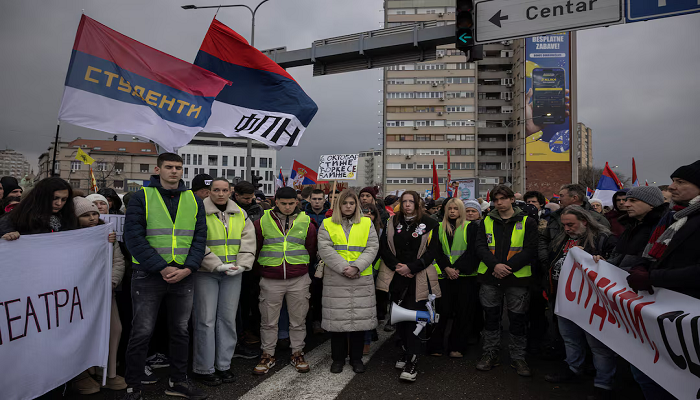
256,181
464,31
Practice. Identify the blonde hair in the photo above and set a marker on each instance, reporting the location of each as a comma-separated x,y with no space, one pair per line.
337,217
446,226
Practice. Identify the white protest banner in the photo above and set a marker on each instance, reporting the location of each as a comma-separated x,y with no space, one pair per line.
338,167
118,221
467,188
657,333
55,304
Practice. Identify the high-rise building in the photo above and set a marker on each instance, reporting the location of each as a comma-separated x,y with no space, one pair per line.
220,156
369,168
14,164
446,105
585,146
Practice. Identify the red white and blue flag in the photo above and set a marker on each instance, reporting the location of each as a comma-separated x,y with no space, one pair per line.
589,192
118,85
264,103
302,175
608,184
280,183
635,181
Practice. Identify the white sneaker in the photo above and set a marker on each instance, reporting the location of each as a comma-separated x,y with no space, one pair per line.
401,363
151,378
410,371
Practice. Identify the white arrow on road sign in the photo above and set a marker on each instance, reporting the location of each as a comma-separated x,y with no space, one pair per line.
509,19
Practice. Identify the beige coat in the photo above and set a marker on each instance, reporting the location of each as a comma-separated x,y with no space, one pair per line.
349,304
386,274
117,265
246,253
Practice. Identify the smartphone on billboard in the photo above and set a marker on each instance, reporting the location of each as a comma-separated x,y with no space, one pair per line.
548,96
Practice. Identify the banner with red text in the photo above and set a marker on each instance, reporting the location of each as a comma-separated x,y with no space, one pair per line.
657,333
55,304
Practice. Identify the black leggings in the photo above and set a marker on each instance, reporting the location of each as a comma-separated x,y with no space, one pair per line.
340,342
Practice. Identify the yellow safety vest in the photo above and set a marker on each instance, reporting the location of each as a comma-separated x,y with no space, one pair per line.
350,248
172,240
459,246
278,247
516,245
225,244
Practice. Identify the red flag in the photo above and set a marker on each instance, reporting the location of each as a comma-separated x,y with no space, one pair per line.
436,185
448,189
646,183
488,196
635,181
93,182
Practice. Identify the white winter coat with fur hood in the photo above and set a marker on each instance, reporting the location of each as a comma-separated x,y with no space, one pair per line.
349,304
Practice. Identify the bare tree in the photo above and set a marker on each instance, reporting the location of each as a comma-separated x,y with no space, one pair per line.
589,177
104,169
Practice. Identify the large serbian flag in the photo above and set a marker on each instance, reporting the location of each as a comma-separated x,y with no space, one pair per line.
302,175
264,102
608,184
118,85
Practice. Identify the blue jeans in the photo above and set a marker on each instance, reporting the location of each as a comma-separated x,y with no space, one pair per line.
214,320
575,339
651,389
148,291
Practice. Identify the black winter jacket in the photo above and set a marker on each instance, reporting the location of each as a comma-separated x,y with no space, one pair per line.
135,230
631,244
679,267
502,232
467,262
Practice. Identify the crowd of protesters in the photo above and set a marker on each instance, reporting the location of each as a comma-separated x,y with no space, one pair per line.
206,275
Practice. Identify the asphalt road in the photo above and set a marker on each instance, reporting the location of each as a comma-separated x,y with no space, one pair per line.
439,378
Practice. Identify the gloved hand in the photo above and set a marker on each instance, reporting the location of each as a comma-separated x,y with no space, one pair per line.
639,279
224,268
229,269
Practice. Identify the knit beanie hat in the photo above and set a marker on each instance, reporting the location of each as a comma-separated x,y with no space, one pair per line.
83,205
596,201
690,173
649,194
390,199
485,205
9,184
97,197
472,204
370,190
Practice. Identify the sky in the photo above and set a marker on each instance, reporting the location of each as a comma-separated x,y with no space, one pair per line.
639,89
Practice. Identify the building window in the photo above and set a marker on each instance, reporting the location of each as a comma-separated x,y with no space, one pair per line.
462,152
269,162
212,172
400,95
122,149
212,160
241,160
430,67
224,161
464,79
263,162
459,109
143,168
459,137
186,173
252,162
463,165
75,166
459,95
199,159
467,122
75,183
100,166
119,184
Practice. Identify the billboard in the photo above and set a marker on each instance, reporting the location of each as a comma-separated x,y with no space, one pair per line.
547,83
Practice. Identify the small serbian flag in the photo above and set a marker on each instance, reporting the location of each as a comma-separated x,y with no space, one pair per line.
608,184
302,175
589,192
280,183
555,196
118,85
264,103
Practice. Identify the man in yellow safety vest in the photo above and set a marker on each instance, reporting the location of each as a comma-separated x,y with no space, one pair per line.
506,243
286,247
166,232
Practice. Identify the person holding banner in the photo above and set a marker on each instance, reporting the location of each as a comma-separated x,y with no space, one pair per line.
507,245
407,253
45,209
217,284
583,231
348,244
456,266
89,216
165,231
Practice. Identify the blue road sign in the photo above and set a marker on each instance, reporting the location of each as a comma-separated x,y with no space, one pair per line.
640,10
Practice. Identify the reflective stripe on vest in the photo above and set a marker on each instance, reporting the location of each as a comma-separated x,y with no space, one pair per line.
278,247
225,245
171,240
517,239
350,248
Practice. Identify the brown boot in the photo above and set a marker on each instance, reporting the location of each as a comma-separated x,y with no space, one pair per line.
116,383
84,384
299,363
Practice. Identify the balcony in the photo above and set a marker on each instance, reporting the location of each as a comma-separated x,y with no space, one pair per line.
495,116
491,173
494,88
493,145
496,61
492,131
492,159
494,75
493,103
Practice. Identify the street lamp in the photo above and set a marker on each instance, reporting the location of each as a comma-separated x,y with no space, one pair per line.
249,150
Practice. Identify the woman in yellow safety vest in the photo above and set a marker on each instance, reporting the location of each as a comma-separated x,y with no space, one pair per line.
456,266
348,244
231,246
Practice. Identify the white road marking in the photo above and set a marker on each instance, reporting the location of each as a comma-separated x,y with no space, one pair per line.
319,383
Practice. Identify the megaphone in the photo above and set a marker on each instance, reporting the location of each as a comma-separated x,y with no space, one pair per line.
422,318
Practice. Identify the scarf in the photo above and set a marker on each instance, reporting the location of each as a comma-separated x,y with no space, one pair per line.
55,223
667,227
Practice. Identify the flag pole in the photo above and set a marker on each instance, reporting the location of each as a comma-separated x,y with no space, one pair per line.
55,150
333,194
